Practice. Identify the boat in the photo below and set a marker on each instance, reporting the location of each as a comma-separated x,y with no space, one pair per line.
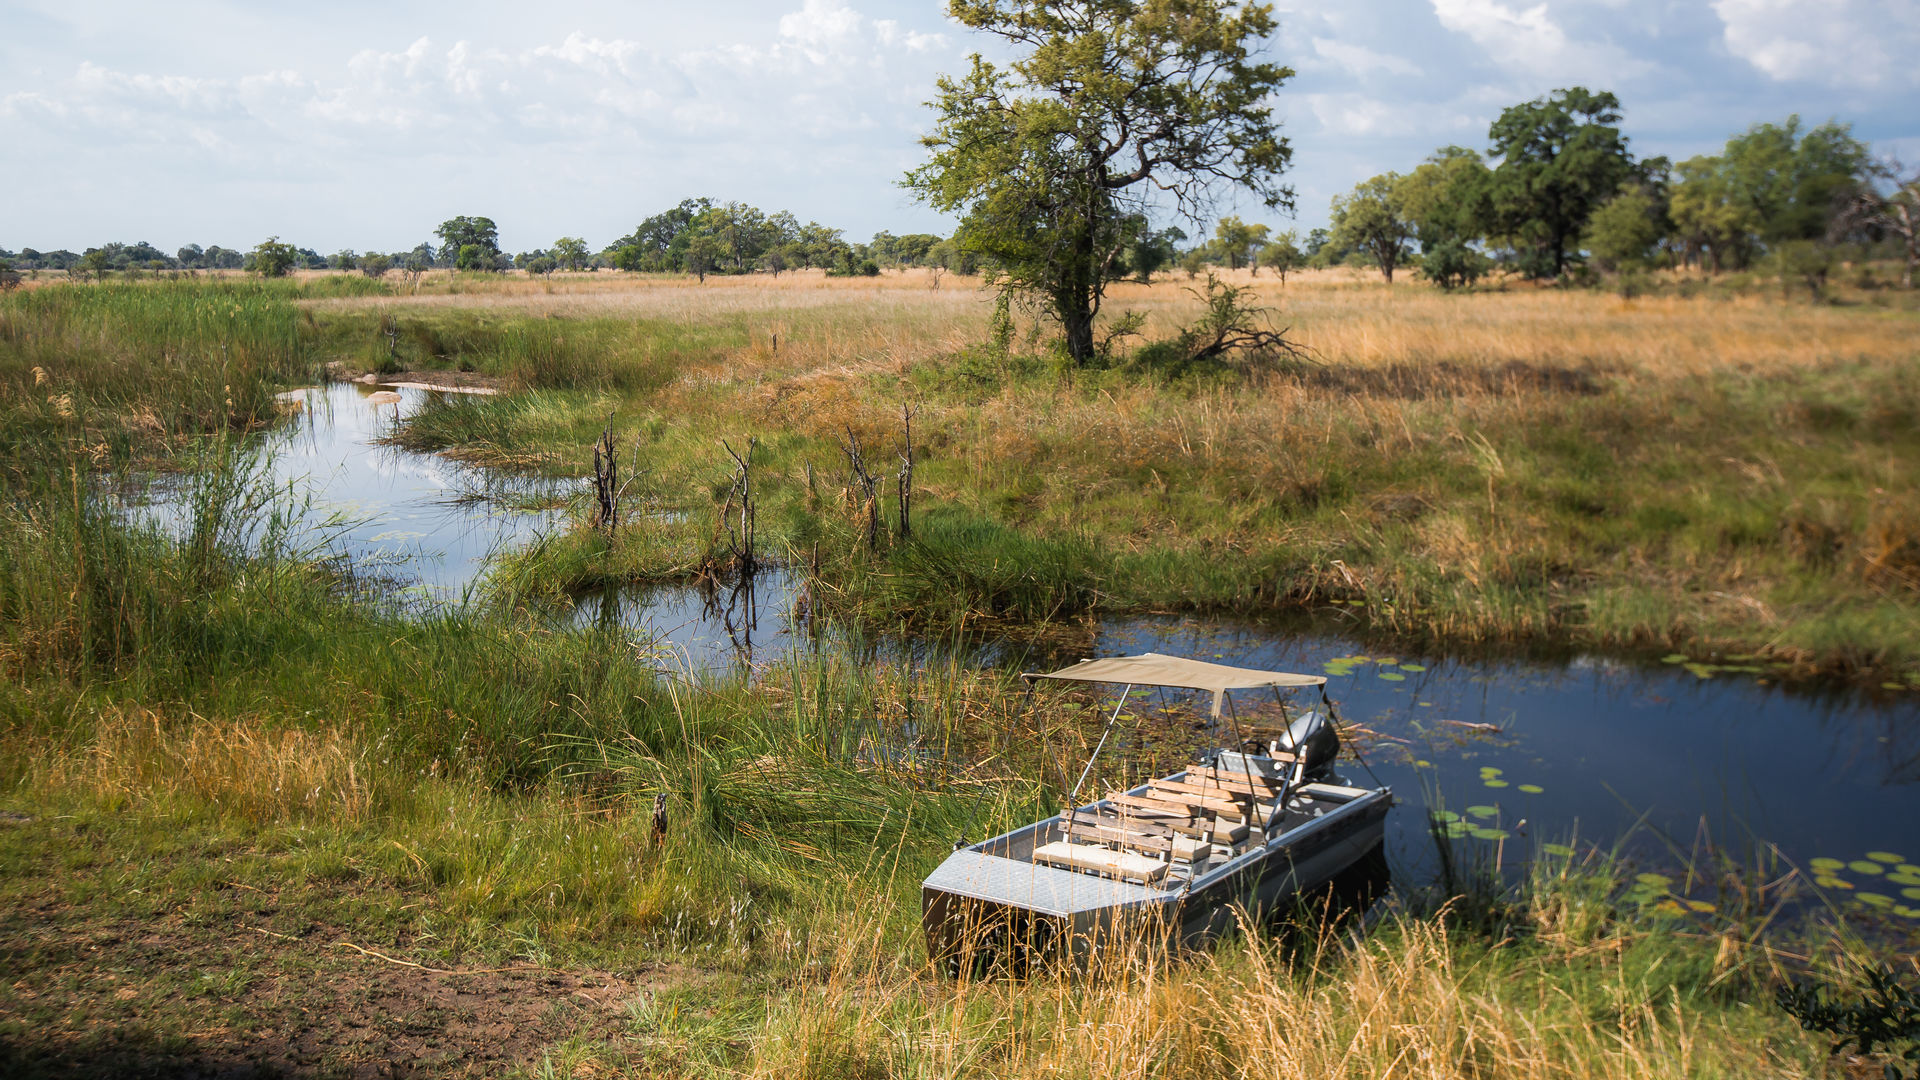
1173,863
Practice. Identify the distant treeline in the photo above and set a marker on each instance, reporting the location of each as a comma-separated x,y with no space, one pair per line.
699,236
1557,192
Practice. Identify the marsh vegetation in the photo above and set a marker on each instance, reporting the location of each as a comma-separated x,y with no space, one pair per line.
216,749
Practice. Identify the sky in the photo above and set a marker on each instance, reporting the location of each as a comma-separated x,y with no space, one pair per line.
361,125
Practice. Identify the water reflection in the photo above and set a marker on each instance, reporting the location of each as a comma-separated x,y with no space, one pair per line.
423,523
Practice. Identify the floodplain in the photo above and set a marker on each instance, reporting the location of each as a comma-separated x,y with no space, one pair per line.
261,812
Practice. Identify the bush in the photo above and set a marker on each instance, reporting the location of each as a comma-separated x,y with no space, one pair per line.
272,258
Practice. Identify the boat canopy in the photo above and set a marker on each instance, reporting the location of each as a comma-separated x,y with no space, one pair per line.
1159,669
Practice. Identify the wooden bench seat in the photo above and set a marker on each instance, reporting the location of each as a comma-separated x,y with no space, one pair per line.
1108,830
1235,778
1101,860
1195,796
1235,795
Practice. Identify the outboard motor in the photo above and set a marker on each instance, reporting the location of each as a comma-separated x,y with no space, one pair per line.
1315,740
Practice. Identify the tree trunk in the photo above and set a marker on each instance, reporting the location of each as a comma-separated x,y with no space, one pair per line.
1078,320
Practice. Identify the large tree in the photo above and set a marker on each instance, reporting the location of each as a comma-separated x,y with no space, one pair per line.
1560,157
1370,218
1444,198
1107,105
1794,182
459,234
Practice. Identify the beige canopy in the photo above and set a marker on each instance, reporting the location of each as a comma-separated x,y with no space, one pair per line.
1158,669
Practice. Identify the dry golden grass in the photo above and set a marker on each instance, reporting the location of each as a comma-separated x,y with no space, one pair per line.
1413,1001
139,759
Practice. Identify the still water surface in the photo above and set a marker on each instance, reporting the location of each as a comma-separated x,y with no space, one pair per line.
1591,750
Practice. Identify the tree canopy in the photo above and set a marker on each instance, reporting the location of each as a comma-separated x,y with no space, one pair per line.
469,243
1372,219
1560,157
1107,104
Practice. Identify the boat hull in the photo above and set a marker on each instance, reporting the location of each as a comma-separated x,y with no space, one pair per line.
984,908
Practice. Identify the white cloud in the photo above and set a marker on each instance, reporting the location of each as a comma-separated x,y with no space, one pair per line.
1867,44
1530,41
1348,115
1360,60
826,70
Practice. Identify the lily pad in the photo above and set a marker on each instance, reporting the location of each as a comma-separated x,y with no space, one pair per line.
1446,815
1700,671
1832,883
1862,866
1413,667
1653,881
1827,864
1911,894
1489,770
1668,907
1700,906
1561,850
1908,912
1393,676
1904,879
1483,811
1883,686
1887,857
1906,868
1495,783
1532,789
1675,658
1874,899
1458,829
1483,833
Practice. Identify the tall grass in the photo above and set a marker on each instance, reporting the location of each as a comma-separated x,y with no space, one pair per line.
1708,474
216,692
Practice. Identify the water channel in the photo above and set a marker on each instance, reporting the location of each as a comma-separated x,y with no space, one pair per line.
1523,755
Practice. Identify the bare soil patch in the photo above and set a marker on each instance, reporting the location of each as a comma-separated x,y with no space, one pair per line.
241,981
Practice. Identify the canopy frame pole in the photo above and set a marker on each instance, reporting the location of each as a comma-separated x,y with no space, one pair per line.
1246,761
1289,778
1073,797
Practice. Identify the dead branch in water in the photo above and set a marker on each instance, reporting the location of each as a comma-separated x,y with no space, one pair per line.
606,481
741,530
865,487
905,479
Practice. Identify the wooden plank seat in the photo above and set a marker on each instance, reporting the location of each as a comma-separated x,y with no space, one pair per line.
1183,825
1235,778
1228,827
1143,826
1101,860
1217,803
1150,806
1238,796
1115,831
